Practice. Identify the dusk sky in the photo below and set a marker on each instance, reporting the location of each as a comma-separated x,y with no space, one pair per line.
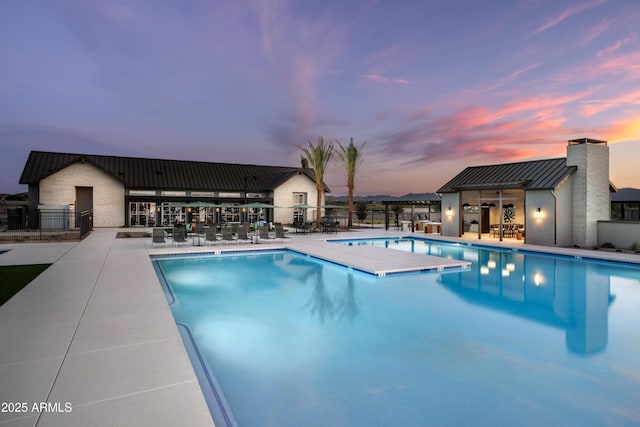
432,86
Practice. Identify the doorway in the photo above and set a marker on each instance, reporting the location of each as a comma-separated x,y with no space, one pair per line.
485,219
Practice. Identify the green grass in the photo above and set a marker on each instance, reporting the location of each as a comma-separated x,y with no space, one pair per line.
15,277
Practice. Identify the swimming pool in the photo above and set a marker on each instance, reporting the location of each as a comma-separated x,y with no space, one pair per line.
520,339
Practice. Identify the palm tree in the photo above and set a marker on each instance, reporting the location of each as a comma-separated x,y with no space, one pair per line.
351,157
318,157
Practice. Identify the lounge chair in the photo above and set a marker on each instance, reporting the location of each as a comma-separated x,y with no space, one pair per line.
179,236
210,236
280,232
243,235
227,235
158,237
264,233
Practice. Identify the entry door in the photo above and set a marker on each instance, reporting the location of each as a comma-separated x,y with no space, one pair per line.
485,220
84,199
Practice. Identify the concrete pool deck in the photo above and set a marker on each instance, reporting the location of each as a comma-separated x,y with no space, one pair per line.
95,330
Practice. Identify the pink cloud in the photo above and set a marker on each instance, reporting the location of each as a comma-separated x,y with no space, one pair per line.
555,20
598,106
511,77
615,46
378,78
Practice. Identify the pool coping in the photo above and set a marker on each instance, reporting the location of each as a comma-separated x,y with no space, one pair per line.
85,303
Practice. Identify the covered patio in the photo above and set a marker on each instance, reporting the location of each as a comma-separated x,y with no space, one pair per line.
493,212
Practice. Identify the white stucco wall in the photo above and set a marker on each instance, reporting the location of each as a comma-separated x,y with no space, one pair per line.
540,231
622,234
108,192
451,223
283,196
564,213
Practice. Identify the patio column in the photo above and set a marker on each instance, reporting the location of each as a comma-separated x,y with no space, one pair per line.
501,212
479,215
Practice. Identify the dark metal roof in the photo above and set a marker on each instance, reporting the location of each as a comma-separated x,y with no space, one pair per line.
626,195
413,199
143,173
532,175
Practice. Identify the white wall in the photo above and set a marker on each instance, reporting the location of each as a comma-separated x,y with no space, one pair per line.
451,223
283,196
108,192
622,234
540,231
564,213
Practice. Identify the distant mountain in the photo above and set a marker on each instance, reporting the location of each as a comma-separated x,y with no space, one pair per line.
385,197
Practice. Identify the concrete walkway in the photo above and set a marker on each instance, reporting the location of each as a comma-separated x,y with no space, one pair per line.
95,332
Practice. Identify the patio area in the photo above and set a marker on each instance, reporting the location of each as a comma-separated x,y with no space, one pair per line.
94,331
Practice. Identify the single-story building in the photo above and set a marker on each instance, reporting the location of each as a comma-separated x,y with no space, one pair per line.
546,202
130,191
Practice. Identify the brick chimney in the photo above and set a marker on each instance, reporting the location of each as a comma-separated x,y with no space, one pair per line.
591,196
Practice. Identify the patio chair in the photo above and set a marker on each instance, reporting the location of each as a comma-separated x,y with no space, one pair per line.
179,236
158,237
280,232
264,233
243,235
227,235
199,229
211,237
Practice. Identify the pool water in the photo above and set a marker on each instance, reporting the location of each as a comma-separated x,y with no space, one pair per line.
519,339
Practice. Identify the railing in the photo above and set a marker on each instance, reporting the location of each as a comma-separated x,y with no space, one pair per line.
16,224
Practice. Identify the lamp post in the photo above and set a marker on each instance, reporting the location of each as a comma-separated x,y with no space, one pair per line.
245,189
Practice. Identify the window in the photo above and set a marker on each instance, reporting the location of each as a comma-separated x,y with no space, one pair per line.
299,213
142,214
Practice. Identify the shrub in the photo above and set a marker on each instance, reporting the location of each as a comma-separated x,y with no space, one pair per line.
635,247
607,245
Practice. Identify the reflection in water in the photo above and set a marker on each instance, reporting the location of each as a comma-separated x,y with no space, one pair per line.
348,306
561,292
320,303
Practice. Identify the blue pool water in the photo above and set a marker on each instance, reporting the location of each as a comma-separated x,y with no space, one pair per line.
520,339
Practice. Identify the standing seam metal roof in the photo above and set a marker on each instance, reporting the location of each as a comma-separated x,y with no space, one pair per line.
532,175
144,173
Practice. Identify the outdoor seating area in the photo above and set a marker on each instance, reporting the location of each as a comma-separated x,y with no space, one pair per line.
217,234
508,230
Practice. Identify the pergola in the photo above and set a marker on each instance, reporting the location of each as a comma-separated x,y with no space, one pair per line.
423,200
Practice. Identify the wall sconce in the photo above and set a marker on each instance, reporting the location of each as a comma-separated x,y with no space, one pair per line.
538,213
449,211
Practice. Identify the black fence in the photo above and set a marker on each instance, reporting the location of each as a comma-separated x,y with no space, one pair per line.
17,224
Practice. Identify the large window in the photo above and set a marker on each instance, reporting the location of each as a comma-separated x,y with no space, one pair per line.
230,214
142,214
173,215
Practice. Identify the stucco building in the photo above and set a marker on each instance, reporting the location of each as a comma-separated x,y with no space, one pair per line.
546,202
129,191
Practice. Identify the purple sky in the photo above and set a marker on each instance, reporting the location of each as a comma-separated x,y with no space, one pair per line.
432,86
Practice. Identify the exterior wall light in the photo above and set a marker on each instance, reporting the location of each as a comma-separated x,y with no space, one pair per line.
449,211
538,213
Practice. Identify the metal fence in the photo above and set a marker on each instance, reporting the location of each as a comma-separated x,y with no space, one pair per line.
19,225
